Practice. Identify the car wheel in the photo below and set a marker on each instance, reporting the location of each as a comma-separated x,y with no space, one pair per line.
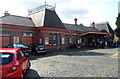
28,65
22,76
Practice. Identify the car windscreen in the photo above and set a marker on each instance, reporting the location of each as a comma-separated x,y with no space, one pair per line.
40,46
5,58
20,46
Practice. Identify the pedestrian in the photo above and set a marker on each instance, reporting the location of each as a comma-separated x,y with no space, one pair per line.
101,43
98,44
106,44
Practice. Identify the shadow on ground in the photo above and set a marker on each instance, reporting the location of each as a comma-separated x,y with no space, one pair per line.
86,54
31,74
70,52
61,52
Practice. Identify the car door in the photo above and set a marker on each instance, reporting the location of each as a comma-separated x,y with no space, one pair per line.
22,60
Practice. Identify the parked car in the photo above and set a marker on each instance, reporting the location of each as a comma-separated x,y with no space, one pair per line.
75,46
24,48
13,63
37,49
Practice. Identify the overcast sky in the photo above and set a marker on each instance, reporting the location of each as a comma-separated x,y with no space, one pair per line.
86,11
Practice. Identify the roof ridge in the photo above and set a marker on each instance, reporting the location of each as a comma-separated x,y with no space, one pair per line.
17,20
16,16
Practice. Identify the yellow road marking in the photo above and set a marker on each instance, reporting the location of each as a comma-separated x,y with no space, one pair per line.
115,57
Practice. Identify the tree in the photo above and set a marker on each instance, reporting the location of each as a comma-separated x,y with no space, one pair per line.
117,30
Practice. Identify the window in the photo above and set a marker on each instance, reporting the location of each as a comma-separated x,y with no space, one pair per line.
55,39
50,39
74,39
20,55
27,34
59,39
5,33
6,58
66,39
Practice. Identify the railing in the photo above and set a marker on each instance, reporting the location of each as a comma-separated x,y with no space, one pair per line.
41,8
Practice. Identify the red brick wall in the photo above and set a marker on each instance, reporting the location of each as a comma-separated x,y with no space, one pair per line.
38,33
16,31
46,33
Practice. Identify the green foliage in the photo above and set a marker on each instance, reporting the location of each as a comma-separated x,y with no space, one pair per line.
117,30
118,21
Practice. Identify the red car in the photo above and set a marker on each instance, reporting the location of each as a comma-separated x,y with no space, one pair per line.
13,63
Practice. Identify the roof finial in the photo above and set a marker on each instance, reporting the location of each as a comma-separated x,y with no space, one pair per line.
54,5
6,13
45,2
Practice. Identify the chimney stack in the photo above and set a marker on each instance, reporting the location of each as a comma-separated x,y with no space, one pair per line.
93,24
81,24
75,21
6,13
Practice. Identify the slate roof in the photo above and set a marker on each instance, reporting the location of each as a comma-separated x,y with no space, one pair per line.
91,29
51,19
73,27
47,18
110,29
104,27
80,28
16,20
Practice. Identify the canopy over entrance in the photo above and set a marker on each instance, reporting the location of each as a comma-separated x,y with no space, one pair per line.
93,33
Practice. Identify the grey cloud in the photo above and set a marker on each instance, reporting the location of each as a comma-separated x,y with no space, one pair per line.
72,13
65,12
79,11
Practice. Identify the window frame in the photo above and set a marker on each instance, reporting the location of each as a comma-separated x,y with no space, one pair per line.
5,33
20,53
27,34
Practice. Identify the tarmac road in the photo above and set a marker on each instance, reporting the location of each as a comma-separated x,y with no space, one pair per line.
75,63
